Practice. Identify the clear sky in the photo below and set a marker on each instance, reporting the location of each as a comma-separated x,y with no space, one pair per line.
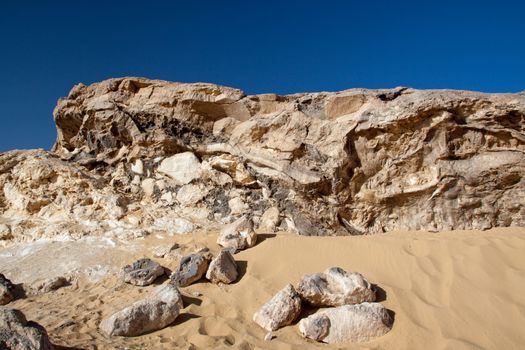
257,46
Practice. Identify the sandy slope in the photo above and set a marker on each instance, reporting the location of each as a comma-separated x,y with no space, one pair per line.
452,290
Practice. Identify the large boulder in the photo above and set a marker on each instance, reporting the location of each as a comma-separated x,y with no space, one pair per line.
155,312
223,268
347,323
238,235
182,167
191,269
142,272
16,333
7,290
335,287
280,311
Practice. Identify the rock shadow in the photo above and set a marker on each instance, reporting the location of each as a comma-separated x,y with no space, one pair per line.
261,237
183,317
242,267
380,293
189,300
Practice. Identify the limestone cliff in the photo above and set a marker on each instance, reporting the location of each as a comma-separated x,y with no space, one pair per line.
136,154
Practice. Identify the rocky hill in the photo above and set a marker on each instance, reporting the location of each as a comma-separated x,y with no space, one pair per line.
134,156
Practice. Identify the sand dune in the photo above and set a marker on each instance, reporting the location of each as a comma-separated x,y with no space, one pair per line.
449,290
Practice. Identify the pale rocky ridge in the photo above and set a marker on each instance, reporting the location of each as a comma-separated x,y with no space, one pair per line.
134,156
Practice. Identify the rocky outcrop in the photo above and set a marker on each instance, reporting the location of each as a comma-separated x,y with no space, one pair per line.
16,333
335,287
348,323
134,156
281,310
155,312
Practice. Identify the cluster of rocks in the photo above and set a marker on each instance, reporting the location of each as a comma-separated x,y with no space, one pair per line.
163,306
349,312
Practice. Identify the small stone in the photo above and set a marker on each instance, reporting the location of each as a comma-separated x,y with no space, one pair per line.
269,219
17,333
223,268
163,250
280,311
138,167
5,232
268,336
335,287
238,235
196,294
7,290
142,272
347,323
182,167
155,312
52,284
191,269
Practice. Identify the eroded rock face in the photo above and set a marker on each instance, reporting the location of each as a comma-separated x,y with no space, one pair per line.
16,333
142,272
280,311
155,312
335,287
351,162
348,323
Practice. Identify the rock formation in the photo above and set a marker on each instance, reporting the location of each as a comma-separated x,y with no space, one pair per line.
134,156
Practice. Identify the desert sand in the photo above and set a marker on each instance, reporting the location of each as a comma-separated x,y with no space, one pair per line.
448,290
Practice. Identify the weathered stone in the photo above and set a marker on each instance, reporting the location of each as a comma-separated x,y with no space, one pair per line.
7,290
335,287
347,323
223,268
182,167
269,219
51,284
234,167
191,194
163,250
238,235
16,333
5,232
280,311
191,269
138,167
142,272
155,312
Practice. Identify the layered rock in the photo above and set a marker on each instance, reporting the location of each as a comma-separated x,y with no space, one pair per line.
351,162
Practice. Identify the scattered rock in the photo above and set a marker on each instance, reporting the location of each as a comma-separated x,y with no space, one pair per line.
269,219
142,272
223,268
182,167
16,333
347,323
238,235
191,269
335,287
155,312
281,310
268,336
7,290
163,250
138,167
51,284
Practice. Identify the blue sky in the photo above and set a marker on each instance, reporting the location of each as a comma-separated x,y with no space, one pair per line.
257,46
